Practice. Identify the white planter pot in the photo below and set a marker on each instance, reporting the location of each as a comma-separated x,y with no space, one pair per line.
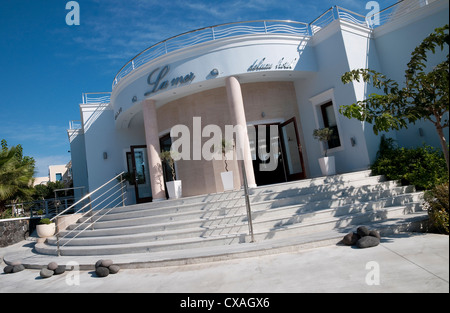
227,180
45,230
327,165
174,189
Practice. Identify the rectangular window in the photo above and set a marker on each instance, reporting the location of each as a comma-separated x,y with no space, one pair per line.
329,121
58,177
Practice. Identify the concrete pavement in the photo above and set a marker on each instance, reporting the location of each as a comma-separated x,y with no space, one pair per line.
406,262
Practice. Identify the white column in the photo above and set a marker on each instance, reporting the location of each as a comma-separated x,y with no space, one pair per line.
237,111
153,150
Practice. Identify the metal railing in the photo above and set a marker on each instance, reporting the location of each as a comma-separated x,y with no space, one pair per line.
45,207
107,197
96,97
211,33
75,124
260,27
247,204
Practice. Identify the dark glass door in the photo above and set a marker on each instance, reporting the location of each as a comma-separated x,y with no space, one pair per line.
139,161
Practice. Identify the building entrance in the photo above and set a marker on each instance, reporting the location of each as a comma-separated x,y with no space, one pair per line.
283,150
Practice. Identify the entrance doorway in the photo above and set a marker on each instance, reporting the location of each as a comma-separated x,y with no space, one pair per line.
289,158
137,160
141,174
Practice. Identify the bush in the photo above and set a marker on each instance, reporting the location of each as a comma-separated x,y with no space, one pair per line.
423,167
45,221
437,203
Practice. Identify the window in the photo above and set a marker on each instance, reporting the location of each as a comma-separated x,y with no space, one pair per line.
58,177
329,121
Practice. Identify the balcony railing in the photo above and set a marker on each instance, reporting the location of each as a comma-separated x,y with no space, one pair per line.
259,27
96,97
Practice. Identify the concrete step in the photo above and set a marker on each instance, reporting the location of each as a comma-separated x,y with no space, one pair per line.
278,209
345,223
325,219
314,185
279,212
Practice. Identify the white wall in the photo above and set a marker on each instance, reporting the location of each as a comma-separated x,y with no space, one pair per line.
101,137
323,86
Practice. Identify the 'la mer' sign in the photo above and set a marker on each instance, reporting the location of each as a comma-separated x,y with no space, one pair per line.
157,80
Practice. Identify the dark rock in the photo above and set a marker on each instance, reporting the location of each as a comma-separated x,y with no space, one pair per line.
375,233
114,269
350,239
59,270
367,242
52,266
362,231
18,268
98,263
106,263
46,273
8,269
102,271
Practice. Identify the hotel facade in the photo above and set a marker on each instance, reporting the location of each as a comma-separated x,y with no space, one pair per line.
283,76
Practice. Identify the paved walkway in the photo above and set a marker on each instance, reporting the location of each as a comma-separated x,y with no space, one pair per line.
409,262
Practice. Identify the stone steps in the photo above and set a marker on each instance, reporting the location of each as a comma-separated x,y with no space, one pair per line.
282,211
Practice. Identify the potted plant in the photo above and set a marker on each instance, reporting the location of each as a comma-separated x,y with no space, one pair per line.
327,163
45,228
173,187
227,176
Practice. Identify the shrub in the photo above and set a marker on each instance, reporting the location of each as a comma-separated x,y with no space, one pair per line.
45,221
423,167
437,203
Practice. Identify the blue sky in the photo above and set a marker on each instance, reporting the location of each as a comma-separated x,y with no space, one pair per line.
46,65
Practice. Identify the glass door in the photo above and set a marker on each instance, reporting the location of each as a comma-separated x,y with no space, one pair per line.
266,154
141,174
292,151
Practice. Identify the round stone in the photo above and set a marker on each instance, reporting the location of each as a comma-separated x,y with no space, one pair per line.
98,263
114,269
368,242
350,239
102,271
59,270
18,268
46,273
52,266
8,269
106,263
375,233
363,231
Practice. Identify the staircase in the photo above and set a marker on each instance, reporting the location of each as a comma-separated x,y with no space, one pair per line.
311,212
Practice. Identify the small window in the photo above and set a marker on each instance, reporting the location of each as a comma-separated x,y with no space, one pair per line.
329,120
58,177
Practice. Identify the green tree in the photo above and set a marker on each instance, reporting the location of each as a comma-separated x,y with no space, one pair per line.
425,94
16,175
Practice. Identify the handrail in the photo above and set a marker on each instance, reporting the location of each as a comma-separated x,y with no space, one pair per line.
210,33
211,36
88,196
247,203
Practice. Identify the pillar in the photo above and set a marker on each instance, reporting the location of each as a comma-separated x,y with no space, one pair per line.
153,149
237,111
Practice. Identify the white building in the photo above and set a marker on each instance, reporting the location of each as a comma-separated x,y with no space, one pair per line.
280,73
62,173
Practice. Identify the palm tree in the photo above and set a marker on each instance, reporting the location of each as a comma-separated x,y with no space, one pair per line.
16,176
